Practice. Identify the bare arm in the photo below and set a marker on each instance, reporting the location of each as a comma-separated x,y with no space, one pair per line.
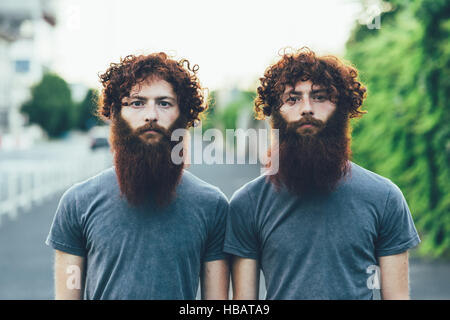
394,277
245,278
69,276
215,279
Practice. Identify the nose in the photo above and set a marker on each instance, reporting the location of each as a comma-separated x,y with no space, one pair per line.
151,114
307,108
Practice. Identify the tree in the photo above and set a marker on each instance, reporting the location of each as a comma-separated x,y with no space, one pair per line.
406,136
209,117
86,117
225,115
241,101
51,105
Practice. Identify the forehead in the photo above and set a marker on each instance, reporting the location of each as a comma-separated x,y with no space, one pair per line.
153,87
303,86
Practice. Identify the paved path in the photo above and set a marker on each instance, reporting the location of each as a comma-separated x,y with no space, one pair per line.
26,262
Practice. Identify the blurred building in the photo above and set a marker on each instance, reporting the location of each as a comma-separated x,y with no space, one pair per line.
26,52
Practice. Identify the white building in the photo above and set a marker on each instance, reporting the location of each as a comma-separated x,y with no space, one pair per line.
26,52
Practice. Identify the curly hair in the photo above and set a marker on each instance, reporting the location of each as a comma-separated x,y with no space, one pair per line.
339,79
120,77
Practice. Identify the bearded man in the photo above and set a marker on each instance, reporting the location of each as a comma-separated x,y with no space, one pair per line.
146,228
321,227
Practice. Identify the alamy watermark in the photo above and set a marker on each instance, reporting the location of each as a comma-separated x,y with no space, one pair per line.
373,282
73,281
372,11
223,150
374,18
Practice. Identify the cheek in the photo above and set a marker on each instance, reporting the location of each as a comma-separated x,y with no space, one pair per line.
170,116
129,117
289,113
327,110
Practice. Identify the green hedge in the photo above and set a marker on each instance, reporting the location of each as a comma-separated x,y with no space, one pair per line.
406,134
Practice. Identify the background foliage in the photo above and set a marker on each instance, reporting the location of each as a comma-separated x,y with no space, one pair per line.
225,113
86,118
406,134
51,107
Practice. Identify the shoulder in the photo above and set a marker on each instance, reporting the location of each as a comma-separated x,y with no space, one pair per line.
362,175
251,190
194,188
103,182
201,200
372,184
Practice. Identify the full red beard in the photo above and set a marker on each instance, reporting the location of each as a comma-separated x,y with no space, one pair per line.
311,163
145,171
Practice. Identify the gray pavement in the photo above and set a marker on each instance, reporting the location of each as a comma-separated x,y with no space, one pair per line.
26,262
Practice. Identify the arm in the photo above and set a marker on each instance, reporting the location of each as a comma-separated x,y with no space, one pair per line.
215,278
245,278
69,276
394,277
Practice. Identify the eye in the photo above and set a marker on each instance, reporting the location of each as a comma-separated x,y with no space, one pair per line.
136,103
320,98
292,100
164,104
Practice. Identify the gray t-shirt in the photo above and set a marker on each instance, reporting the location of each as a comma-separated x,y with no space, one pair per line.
145,253
320,247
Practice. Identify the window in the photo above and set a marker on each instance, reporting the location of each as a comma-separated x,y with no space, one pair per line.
22,66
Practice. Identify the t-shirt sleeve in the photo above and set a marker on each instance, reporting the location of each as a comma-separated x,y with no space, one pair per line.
241,238
216,233
65,232
397,232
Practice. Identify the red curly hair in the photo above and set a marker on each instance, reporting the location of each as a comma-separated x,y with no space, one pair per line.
120,77
338,78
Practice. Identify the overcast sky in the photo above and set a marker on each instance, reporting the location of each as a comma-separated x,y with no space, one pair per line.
232,41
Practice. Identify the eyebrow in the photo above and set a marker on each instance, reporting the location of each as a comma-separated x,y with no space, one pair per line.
137,97
146,98
165,98
300,93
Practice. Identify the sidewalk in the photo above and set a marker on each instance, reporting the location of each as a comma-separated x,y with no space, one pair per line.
429,280
26,263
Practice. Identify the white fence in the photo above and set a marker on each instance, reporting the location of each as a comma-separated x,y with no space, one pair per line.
24,183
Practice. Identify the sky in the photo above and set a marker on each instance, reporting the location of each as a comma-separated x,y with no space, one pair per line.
232,41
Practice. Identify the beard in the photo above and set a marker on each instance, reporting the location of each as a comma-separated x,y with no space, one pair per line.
311,160
145,170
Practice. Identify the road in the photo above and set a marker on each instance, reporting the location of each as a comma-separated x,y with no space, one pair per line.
26,262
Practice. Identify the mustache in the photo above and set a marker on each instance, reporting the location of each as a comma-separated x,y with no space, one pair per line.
306,120
151,126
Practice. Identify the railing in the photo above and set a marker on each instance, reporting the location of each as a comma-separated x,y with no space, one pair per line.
24,183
